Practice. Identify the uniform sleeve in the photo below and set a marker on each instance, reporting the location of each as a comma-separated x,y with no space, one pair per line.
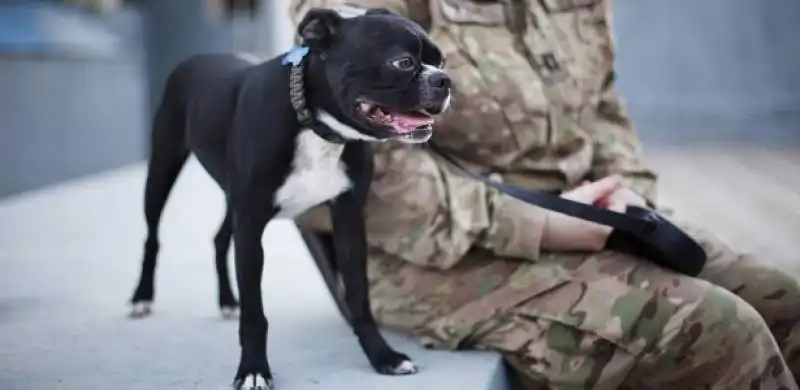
487,218
515,228
427,212
618,148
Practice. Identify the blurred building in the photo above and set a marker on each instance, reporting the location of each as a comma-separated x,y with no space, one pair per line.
75,75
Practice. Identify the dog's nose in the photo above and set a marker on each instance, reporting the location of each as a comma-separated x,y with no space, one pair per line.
439,80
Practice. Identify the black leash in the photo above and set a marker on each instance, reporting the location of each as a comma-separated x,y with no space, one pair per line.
639,231
555,203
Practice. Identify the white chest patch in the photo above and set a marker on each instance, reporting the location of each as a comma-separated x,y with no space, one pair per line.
317,175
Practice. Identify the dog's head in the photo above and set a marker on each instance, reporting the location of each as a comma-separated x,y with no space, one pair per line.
383,70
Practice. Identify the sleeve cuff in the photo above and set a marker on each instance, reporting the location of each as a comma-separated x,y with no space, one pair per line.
644,187
516,228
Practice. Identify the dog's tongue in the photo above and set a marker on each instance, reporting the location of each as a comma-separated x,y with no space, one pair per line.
404,122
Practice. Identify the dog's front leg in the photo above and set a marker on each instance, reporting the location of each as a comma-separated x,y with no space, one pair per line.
350,247
254,372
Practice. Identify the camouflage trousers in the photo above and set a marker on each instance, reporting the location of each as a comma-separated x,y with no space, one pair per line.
620,322
595,321
735,327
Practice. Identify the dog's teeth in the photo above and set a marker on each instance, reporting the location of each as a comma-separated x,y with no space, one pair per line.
366,107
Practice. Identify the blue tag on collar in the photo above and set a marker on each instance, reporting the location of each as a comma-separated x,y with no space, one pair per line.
295,55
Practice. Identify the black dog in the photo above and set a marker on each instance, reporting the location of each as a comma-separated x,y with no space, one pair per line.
281,137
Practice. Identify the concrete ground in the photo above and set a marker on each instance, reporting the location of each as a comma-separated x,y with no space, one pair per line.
70,257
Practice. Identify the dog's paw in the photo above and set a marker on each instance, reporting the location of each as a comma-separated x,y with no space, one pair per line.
253,382
141,309
406,367
253,375
229,312
395,363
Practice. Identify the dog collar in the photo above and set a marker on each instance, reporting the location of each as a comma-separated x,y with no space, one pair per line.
296,57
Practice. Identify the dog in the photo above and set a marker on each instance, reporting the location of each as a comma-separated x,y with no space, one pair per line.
285,135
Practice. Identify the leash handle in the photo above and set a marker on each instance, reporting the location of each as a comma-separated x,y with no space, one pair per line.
555,203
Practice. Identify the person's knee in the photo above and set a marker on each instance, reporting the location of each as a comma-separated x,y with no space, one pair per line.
720,323
719,341
774,292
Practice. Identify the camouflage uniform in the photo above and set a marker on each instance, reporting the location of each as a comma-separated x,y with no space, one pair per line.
457,265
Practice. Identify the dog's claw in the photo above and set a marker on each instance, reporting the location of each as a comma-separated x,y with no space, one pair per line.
229,312
141,309
253,382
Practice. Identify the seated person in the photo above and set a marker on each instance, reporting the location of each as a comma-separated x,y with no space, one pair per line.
455,264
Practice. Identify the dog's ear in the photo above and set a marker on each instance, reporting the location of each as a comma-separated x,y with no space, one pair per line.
319,26
380,11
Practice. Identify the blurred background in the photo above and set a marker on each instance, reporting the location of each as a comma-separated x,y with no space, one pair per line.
74,74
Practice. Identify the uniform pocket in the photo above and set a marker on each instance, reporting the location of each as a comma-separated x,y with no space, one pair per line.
498,108
567,5
486,12
528,282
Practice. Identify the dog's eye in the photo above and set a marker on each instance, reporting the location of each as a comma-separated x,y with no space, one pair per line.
405,63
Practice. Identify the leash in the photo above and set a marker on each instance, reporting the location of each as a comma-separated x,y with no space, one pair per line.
639,231
554,202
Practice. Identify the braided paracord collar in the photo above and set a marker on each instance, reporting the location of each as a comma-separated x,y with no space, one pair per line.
297,95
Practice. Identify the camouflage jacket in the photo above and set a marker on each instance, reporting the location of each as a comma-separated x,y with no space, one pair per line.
532,105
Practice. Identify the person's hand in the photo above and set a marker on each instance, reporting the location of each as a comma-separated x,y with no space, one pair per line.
566,233
621,198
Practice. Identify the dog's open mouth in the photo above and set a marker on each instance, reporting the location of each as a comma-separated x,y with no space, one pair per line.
401,122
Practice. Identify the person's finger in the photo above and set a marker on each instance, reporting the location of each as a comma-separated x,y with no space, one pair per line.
618,206
601,188
592,191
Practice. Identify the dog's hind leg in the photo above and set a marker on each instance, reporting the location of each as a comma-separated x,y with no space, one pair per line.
167,157
228,304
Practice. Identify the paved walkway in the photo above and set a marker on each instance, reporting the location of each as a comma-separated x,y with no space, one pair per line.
70,257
